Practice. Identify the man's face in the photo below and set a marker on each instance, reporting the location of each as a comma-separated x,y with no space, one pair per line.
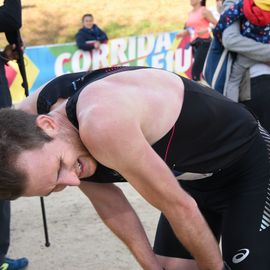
59,163
88,22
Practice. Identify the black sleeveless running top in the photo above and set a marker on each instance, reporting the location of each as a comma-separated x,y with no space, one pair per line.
210,134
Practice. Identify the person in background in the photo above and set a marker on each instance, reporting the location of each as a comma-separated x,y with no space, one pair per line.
198,27
255,56
10,22
255,24
90,36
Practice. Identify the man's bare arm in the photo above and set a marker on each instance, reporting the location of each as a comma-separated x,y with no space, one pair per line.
116,212
122,146
162,190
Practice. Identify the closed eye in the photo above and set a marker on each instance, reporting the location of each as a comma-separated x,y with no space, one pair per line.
57,177
59,168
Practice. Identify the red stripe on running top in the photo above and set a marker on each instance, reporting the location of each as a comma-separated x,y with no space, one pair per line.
169,144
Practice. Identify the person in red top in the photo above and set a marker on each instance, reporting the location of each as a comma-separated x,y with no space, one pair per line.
197,27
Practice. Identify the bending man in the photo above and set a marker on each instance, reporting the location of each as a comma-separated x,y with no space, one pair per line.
142,124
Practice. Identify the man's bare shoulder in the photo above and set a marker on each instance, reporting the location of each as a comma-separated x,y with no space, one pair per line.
101,122
106,134
29,104
118,105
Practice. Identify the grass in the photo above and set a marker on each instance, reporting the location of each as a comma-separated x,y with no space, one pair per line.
50,22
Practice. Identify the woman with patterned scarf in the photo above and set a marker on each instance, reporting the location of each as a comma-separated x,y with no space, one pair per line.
254,19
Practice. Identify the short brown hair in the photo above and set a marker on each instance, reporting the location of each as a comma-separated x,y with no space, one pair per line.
203,3
87,15
18,132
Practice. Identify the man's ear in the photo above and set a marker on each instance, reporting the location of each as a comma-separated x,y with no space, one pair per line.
47,123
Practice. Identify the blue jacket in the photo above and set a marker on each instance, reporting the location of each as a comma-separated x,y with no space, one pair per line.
93,34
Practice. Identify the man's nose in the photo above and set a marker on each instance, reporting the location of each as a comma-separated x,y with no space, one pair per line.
68,178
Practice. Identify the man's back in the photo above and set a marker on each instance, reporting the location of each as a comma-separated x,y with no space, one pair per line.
141,96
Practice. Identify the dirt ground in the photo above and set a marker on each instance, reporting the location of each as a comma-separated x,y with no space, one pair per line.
79,239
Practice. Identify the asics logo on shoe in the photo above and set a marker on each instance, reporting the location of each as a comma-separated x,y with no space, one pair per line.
240,256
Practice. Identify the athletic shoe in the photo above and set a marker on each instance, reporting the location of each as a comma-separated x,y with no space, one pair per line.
4,266
14,264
